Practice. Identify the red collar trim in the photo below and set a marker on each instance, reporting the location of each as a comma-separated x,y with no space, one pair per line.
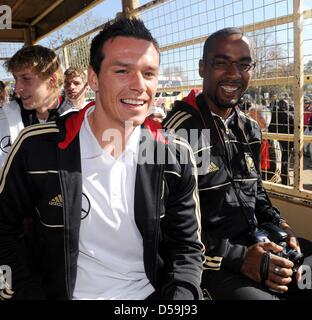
156,130
190,99
73,124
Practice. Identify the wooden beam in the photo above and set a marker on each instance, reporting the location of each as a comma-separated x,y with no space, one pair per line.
12,35
128,7
82,11
46,12
16,5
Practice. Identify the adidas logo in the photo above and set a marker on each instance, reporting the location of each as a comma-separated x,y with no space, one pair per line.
57,201
212,167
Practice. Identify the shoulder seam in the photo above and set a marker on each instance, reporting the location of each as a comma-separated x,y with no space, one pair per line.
30,131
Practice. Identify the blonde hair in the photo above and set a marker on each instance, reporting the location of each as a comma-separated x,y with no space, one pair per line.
75,72
41,60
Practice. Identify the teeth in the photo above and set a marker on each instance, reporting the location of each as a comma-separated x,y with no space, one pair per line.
130,101
229,88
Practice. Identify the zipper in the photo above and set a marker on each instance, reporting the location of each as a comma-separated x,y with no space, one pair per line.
66,251
157,224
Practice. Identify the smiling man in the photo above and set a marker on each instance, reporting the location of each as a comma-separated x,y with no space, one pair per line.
106,224
233,201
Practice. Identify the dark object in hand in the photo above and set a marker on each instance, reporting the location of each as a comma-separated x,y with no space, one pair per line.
270,232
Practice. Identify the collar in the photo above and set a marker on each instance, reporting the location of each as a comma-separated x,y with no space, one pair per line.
92,148
74,121
227,120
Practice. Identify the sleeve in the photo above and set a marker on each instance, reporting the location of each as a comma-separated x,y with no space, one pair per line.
16,193
181,230
216,250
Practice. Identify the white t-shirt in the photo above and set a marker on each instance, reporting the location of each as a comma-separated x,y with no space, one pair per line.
110,261
10,126
5,141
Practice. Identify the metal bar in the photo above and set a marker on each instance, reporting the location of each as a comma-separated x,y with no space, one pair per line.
253,83
302,201
284,137
285,190
298,93
148,6
246,28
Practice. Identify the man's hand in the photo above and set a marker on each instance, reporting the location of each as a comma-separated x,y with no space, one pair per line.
293,243
280,269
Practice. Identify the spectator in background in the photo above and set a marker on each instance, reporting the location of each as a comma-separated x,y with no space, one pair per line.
283,122
3,94
271,154
308,146
75,87
273,102
307,113
38,81
245,105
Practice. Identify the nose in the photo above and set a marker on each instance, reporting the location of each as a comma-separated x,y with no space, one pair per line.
138,82
234,69
18,86
71,85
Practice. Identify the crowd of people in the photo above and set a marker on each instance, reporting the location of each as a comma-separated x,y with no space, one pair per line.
117,200
280,114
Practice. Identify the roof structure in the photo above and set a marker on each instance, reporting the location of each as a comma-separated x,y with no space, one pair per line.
34,19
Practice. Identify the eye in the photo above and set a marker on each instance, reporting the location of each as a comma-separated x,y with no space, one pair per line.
244,66
121,71
149,74
221,63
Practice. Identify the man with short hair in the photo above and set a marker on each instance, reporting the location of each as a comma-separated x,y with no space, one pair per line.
234,204
115,209
75,87
38,81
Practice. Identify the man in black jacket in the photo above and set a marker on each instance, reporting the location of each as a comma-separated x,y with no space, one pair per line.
115,210
233,201
38,81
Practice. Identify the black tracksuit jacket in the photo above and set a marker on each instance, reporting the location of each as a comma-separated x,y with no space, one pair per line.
232,199
44,165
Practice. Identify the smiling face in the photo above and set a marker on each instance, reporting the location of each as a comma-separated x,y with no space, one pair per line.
223,88
127,82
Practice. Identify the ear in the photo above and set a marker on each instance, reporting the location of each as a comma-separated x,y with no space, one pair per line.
53,81
93,79
201,68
